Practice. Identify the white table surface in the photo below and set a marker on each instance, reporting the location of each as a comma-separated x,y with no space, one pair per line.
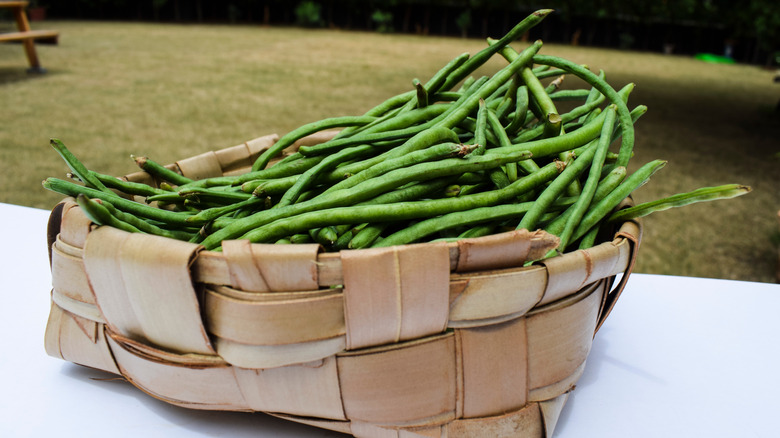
678,357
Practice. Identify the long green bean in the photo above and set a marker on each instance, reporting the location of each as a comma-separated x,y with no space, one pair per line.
308,129
397,211
480,58
601,209
679,200
76,166
591,183
71,189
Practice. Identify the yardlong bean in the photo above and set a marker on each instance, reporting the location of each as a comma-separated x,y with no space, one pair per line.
397,211
308,129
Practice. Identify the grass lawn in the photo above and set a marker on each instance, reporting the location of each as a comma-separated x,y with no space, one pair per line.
173,91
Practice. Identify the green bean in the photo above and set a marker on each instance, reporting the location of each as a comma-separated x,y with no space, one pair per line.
549,113
509,99
580,94
593,94
589,239
551,193
496,97
284,181
608,183
601,209
411,192
365,138
390,104
555,145
503,141
367,235
366,190
98,214
431,153
158,170
219,195
474,216
210,214
467,84
71,189
308,129
554,85
76,166
452,191
127,187
300,238
342,242
481,128
446,96
521,111
586,196
385,109
386,161
451,119
478,231
469,128
407,119
482,56
278,170
624,115
216,196
331,161
145,226
422,94
679,200
399,211
476,188
434,84
325,236
549,73
499,178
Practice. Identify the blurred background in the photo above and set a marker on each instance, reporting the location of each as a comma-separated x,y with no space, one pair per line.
746,31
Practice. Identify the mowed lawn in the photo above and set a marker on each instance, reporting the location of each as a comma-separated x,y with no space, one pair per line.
173,91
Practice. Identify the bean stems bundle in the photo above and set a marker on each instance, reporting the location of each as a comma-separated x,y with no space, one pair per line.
455,157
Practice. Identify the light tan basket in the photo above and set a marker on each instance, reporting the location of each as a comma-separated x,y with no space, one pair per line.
432,340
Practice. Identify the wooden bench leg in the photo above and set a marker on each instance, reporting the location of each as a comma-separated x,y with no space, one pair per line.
32,57
29,45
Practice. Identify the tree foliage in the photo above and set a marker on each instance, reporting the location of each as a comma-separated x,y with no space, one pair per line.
751,26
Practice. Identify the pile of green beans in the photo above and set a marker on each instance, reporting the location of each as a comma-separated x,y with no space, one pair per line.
458,156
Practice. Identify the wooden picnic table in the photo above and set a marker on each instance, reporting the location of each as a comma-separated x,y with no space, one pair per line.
25,35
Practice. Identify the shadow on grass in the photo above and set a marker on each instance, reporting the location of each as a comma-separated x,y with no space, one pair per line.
12,74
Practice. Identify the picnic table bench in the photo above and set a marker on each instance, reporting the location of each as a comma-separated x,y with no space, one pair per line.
25,35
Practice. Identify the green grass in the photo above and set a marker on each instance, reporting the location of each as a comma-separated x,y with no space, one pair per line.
173,91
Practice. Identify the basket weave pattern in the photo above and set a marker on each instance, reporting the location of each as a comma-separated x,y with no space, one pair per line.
433,340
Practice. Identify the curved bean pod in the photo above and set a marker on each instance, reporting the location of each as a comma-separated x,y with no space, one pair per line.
71,189
679,200
482,56
308,129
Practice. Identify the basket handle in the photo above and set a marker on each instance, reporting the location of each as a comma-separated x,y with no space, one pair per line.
632,232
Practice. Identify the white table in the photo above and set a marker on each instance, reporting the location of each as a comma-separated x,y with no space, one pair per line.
678,357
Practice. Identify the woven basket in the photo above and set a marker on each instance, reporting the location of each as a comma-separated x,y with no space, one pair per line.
432,340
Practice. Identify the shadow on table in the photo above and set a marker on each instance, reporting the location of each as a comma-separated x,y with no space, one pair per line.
597,359
205,423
